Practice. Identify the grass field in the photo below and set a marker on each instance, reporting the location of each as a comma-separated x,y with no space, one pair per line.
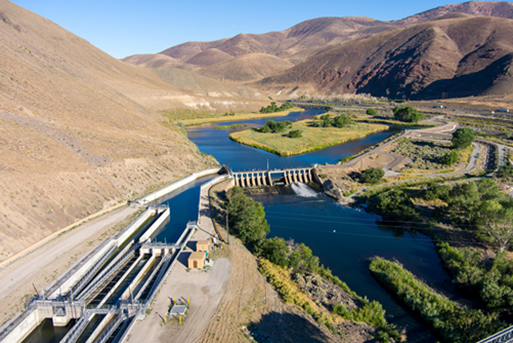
313,138
242,116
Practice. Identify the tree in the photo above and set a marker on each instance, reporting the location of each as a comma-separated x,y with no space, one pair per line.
247,218
450,158
371,111
505,172
302,259
394,204
342,120
462,138
465,199
372,175
407,114
495,223
295,133
276,251
272,126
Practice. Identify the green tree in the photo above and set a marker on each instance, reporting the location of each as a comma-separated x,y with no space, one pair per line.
371,111
462,138
302,260
464,199
450,158
372,175
407,114
276,250
505,172
295,133
342,120
495,222
394,204
247,218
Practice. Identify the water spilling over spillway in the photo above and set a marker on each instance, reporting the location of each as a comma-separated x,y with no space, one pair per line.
303,190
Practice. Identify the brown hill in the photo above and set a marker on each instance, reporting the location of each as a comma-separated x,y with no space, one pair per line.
151,60
249,67
500,9
208,57
442,58
76,131
310,38
204,85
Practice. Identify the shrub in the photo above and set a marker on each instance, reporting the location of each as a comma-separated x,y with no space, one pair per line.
295,133
450,158
371,112
452,322
407,114
372,175
462,138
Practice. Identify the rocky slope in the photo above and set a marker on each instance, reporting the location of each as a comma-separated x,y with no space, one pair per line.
456,57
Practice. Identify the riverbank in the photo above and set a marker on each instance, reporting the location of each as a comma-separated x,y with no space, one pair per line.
256,305
312,138
236,117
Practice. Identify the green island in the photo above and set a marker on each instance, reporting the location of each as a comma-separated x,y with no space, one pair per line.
228,127
237,117
312,138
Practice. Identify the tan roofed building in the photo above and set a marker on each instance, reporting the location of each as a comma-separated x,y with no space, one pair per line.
196,260
203,245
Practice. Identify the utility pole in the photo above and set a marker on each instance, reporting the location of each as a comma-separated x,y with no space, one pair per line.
227,229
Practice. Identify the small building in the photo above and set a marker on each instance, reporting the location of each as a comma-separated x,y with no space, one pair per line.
203,245
196,260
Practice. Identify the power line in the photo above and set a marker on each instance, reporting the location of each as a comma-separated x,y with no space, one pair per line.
384,221
373,236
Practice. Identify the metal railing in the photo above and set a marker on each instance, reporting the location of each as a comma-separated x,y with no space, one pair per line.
78,328
106,335
89,275
129,254
504,336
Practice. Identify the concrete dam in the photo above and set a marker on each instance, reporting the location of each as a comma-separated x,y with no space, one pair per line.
261,178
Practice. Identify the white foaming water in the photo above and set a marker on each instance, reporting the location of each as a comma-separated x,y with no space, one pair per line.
303,190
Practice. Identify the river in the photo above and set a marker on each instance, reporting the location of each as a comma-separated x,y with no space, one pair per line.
343,238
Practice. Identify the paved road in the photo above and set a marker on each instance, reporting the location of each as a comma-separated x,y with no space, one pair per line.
471,165
21,270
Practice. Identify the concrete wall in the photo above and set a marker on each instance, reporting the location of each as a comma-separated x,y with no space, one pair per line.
207,186
133,226
21,331
79,274
162,219
175,185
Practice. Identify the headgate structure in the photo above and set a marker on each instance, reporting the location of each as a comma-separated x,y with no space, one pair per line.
258,178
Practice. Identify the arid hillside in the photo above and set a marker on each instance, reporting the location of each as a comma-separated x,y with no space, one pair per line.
457,57
79,130
278,62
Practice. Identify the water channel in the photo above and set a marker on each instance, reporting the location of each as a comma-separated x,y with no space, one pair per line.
343,238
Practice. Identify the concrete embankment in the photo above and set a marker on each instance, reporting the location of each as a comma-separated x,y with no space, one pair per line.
148,199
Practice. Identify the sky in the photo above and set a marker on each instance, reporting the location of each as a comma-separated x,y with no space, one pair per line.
127,27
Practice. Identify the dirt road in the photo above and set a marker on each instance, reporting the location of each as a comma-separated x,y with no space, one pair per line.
42,266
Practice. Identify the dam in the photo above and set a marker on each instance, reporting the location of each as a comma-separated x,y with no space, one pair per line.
259,178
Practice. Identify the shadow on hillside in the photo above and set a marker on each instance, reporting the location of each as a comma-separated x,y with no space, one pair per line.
286,327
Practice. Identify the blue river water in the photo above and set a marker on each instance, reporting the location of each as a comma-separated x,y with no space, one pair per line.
344,238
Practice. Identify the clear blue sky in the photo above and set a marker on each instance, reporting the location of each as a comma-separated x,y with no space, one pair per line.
123,28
